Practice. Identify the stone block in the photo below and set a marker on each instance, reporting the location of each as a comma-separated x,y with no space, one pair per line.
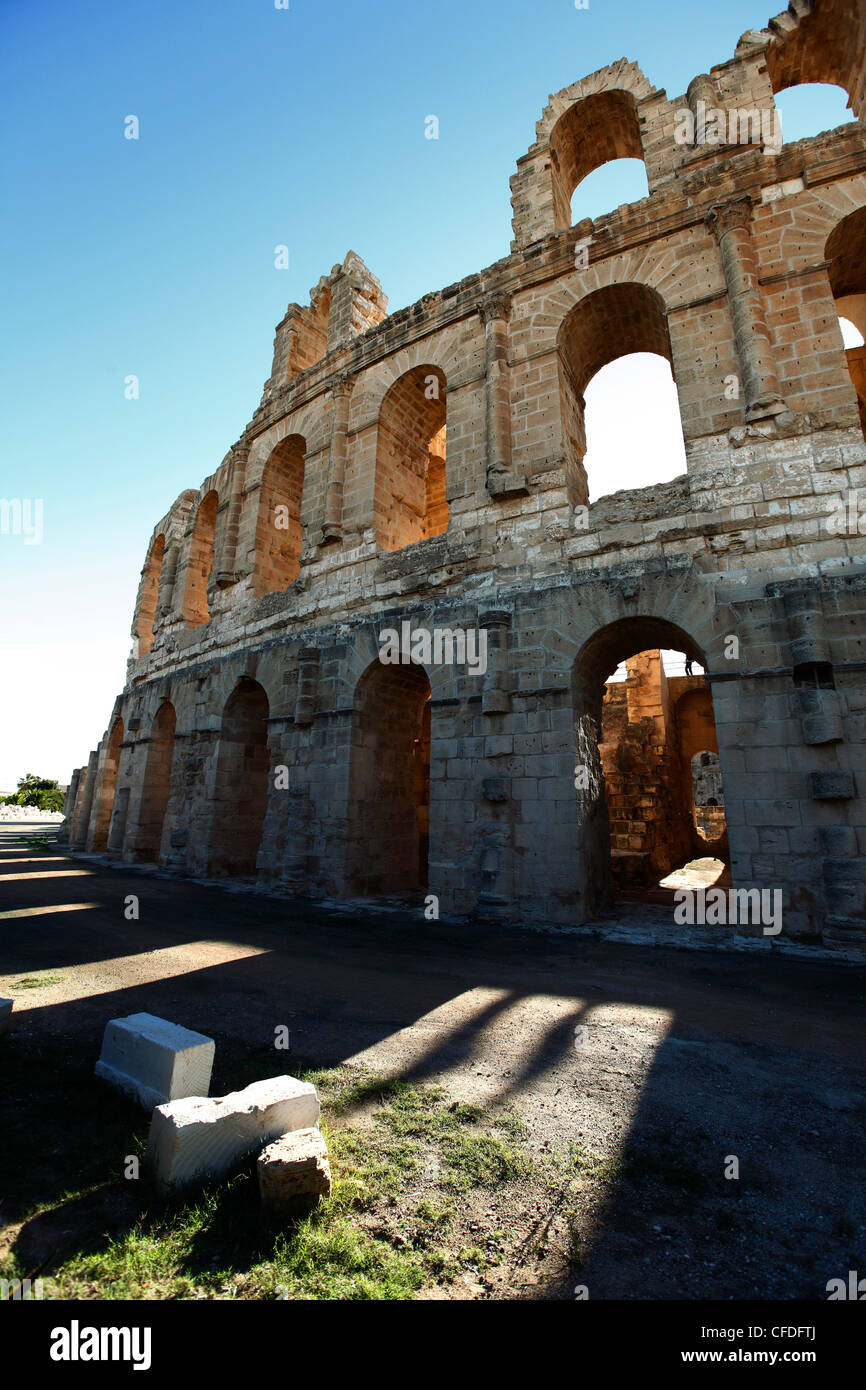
195,1139
155,1061
294,1173
5,1014
832,786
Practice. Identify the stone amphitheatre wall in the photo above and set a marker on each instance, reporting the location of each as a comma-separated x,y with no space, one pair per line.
427,466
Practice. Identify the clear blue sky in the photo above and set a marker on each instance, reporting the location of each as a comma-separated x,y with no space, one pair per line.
155,257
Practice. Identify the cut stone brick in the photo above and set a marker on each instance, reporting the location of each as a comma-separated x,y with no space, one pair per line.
294,1173
5,1014
155,1061
195,1139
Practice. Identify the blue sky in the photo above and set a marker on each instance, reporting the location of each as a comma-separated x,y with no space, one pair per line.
155,257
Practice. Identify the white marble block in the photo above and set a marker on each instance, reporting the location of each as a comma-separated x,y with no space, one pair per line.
196,1139
155,1061
5,1014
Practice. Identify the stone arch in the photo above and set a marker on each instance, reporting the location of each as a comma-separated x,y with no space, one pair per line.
591,132
595,662
278,530
389,781
410,501
845,251
149,594
607,324
242,782
823,42
200,561
156,786
538,189
105,805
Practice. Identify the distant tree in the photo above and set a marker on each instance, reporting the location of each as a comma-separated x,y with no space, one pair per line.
42,792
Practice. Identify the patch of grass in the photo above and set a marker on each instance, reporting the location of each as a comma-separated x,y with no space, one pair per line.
389,1227
580,1162
481,1160
512,1124
37,981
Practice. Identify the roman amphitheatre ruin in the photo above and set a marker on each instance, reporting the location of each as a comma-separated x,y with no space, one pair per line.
426,468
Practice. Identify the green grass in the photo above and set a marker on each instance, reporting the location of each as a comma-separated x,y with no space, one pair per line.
36,981
401,1180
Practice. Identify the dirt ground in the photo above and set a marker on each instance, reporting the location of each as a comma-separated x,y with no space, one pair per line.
650,1073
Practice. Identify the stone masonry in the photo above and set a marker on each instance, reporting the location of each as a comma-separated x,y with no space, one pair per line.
426,467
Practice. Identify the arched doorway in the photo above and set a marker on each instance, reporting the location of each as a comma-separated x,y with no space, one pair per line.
200,562
389,782
410,460
635,805
157,783
278,529
242,777
621,328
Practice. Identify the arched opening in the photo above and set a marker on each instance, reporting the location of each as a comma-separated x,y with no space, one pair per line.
200,565
592,132
149,594
642,443
608,187
242,779
157,784
826,45
105,807
624,321
708,798
410,460
811,108
635,737
846,252
278,532
389,782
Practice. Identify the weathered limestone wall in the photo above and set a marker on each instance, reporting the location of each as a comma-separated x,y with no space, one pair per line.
754,562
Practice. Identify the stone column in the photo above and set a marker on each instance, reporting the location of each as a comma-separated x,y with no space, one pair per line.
67,825
308,676
730,223
494,312
332,528
702,89
494,690
82,820
227,574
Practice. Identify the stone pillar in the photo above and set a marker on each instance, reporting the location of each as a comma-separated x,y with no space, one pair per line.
495,698
332,528
228,574
702,89
494,312
67,825
308,677
78,840
295,853
165,596
805,621
730,223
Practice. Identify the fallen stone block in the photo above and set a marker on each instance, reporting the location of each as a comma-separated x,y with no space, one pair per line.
5,1014
294,1173
196,1139
155,1061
